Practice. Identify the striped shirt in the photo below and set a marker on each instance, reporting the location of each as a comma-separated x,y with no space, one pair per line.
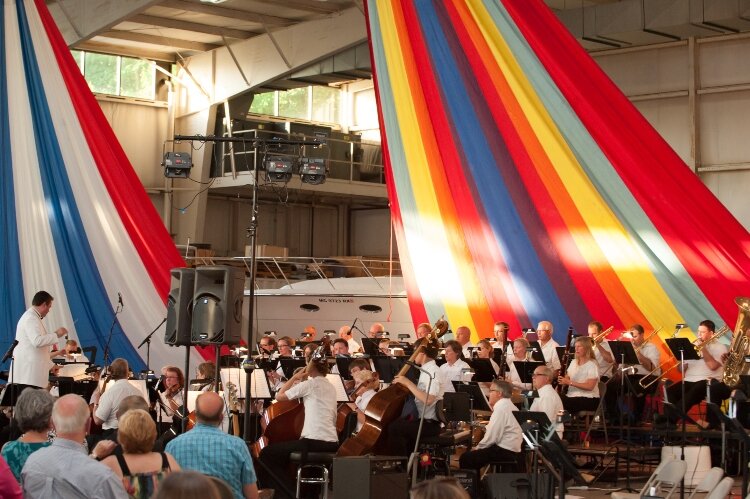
212,452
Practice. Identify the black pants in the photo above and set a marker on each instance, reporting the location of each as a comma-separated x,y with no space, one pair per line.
477,458
402,435
695,391
273,471
576,404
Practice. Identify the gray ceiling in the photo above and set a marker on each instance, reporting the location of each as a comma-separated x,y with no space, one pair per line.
173,29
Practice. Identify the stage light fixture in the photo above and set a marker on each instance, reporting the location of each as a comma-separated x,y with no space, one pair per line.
177,164
279,170
313,170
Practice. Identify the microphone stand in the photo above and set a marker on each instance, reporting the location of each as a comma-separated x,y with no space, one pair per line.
684,422
12,386
415,452
147,342
118,309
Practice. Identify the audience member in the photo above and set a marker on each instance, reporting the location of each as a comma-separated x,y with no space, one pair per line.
33,413
63,470
187,485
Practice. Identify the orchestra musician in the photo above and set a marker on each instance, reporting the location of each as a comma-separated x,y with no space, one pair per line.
581,379
454,368
422,330
403,431
520,354
602,351
548,400
170,399
268,347
503,437
70,352
384,347
345,333
484,351
206,374
544,331
696,374
309,334
318,431
118,388
366,384
463,337
500,337
31,358
649,361
376,331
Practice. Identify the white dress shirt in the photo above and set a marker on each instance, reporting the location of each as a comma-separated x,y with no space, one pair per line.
604,367
319,397
435,389
549,402
549,350
651,353
110,401
449,373
503,429
467,349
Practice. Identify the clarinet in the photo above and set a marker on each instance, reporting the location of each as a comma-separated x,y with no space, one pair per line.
565,361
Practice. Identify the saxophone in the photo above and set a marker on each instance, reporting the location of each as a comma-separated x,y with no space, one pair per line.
735,364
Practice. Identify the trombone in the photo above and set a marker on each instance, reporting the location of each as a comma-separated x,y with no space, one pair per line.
601,336
647,339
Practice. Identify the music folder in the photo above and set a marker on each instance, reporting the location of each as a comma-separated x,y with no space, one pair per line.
682,349
483,370
623,349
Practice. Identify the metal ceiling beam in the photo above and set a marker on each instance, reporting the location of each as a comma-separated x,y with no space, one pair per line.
229,13
159,40
207,29
81,20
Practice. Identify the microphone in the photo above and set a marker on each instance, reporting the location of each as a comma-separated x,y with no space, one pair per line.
119,298
9,353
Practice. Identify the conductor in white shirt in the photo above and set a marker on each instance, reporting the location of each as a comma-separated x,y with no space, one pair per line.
32,362
503,438
548,401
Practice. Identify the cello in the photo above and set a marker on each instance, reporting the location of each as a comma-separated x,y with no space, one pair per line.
386,405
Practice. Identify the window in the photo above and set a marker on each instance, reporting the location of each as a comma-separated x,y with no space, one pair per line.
137,78
326,104
116,75
264,103
100,71
293,103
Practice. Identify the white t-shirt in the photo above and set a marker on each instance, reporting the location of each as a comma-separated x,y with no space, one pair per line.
697,370
449,373
580,374
503,429
550,354
110,401
319,397
549,402
651,353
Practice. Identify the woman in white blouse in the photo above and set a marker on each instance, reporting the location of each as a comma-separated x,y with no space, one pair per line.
581,379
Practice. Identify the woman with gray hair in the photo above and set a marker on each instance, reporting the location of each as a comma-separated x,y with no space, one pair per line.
33,414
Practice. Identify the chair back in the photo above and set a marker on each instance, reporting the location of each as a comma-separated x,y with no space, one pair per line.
671,474
710,480
722,489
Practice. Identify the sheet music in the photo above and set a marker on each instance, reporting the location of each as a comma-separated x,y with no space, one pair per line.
259,388
338,384
193,395
75,371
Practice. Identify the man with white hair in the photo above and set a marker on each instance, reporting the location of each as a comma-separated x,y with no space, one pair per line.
345,332
64,470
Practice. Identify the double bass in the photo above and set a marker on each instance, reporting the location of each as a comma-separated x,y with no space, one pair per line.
386,405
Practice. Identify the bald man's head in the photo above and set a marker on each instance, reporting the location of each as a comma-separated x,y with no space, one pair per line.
209,408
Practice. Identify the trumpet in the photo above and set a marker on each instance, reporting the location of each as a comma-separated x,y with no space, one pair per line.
602,336
647,339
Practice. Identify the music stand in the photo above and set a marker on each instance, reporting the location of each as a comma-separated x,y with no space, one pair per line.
479,400
624,352
526,369
370,346
388,367
288,366
343,364
561,354
483,370
536,351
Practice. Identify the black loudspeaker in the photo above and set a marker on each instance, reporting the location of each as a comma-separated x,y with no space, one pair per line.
217,305
370,477
516,485
179,302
